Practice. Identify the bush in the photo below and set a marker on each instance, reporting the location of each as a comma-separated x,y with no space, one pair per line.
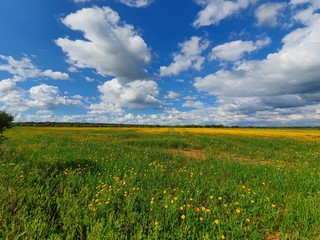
5,123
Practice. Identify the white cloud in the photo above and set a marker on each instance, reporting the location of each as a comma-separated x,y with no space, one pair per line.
136,3
116,94
315,3
216,10
48,97
188,57
11,96
284,80
267,14
88,79
172,95
16,99
235,50
110,46
73,69
193,104
305,16
25,69
104,109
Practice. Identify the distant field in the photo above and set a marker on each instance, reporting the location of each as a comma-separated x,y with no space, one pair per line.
159,183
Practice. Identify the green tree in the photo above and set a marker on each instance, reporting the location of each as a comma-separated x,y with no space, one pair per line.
6,120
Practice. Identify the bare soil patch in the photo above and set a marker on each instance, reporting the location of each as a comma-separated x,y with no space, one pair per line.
190,153
273,236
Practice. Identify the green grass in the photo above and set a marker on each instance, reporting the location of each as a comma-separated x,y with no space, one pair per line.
65,183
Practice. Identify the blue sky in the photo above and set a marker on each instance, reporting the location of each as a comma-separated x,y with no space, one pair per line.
231,62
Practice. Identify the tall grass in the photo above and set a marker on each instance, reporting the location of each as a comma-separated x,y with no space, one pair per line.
110,183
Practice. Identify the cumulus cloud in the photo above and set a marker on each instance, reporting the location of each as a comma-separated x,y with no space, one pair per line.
172,95
48,96
116,94
305,16
25,69
287,79
111,47
216,10
11,96
133,94
188,57
136,3
315,3
16,99
193,104
268,13
235,50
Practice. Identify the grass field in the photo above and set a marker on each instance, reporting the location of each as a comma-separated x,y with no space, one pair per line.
160,183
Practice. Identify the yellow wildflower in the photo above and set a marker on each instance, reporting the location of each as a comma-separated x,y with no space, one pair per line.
183,217
216,221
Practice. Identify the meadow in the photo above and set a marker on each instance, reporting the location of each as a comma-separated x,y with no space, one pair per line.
159,183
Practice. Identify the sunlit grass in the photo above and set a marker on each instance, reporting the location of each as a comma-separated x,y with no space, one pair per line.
160,183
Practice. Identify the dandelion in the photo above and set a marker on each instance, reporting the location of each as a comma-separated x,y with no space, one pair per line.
248,220
166,206
201,219
156,223
208,210
223,237
181,208
216,222
220,198
211,197
273,205
252,201
183,217
238,211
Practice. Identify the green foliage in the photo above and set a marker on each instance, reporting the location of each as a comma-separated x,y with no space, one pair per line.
121,184
5,123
